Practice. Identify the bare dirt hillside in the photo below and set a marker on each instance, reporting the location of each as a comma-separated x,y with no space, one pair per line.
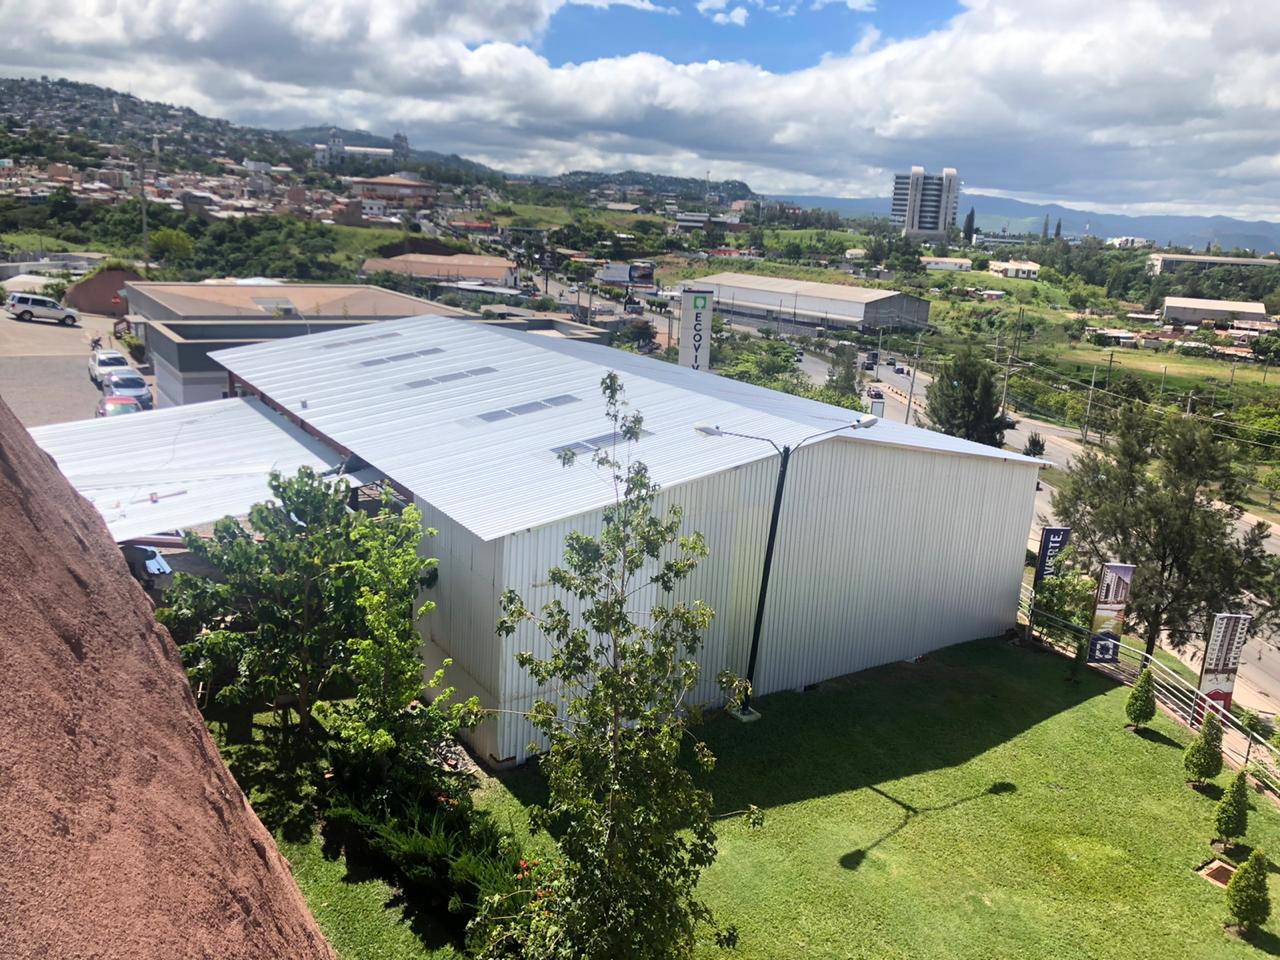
122,835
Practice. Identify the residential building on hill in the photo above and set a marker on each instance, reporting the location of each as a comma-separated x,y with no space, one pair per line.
335,150
1015,269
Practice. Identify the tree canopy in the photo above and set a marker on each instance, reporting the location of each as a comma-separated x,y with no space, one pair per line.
963,401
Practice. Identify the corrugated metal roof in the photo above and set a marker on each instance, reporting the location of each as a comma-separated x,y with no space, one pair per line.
788,287
181,466
468,416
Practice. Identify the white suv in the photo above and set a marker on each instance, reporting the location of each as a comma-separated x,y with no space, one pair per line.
29,306
103,363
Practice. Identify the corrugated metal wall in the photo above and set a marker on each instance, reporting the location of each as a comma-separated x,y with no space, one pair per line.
462,625
883,553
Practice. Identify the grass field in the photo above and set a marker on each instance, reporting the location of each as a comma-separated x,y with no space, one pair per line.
971,806
359,914
38,241
1195,373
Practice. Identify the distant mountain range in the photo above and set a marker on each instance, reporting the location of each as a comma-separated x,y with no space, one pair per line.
994,214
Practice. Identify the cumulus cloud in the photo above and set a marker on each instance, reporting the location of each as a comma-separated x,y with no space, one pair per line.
1150,103
859,6
737,17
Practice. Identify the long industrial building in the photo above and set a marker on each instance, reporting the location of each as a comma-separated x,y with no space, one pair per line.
778,300
893,540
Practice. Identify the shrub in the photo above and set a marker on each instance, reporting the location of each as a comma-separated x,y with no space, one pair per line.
1231,818
1141,705
1203,757
1034,447
1247,902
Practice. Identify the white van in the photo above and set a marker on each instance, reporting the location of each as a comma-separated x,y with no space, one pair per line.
30,306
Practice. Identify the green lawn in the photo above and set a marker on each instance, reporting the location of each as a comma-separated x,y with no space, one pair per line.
27,240
971,806
1197,373
360,914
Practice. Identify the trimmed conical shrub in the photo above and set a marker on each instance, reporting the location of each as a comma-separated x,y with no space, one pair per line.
1231,818
1141,705
1203,757
1247,902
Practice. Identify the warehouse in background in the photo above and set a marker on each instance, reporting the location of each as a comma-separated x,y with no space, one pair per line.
181,323
805,303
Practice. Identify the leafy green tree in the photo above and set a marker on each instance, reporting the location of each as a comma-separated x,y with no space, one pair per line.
636,829
1044,230
1202,760
963,401
384,720
1140,707
1057,230
969,227
1158,495
1231,818
1248,902
171,246
1034,447
1270,481
274,626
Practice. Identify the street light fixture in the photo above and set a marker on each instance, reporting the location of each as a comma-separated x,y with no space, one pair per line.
784,452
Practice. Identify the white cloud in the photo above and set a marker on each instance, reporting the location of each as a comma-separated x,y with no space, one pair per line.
858,6
737,17
1143,104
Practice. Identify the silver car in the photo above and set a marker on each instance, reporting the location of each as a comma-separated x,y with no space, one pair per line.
31,306
127,382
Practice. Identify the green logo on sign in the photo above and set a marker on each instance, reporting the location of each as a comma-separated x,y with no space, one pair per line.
700,303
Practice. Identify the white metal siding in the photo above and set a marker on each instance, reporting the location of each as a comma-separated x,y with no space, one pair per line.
462,625
882,554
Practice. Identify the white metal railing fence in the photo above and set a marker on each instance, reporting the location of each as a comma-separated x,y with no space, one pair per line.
1173,692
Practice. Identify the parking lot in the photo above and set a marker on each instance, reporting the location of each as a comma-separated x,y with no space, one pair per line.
44,368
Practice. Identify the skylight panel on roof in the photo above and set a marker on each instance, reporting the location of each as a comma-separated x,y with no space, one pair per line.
592,444
532,406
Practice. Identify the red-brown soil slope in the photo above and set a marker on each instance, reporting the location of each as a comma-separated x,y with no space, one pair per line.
122,835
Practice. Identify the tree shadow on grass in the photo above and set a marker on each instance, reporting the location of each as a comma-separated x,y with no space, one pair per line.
855,858
1155,736
427,916
1264,940
888,723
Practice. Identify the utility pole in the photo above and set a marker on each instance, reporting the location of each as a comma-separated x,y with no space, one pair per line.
1163,373
1008,367
142,193
1264,370
915,365
1190,394
1110,360
1088,407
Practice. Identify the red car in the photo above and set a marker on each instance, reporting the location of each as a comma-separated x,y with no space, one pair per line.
115,406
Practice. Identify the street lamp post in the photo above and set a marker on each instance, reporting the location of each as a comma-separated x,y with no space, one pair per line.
784,453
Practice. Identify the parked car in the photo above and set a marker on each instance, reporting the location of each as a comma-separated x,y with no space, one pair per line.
148,567
115,406
875,393
103,362
127,382
30,306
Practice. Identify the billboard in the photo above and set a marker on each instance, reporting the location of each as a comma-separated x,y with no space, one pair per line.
695,328
1053,540
1113,597
1222,657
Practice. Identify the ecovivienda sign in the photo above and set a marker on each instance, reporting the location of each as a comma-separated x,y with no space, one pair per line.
1053,540
1222,657
695,327
1113,597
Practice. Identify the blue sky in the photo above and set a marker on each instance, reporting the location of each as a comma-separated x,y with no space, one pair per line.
792,37
1130,106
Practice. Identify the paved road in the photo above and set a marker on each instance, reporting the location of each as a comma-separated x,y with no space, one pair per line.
44,375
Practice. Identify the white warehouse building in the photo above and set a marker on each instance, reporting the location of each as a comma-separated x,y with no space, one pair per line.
893,540
780,300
